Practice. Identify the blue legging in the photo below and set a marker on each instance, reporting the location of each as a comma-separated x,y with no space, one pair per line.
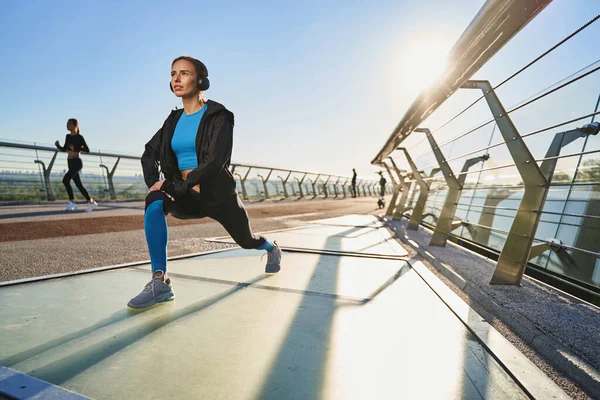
231,214
157,235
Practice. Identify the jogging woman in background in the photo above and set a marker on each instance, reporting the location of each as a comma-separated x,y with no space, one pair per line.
193,151
74,144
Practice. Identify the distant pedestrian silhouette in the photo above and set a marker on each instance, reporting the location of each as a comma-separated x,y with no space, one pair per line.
382,183
353,182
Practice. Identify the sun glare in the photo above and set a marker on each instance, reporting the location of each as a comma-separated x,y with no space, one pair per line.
420,64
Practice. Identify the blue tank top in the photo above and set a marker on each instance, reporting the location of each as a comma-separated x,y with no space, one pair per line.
184,139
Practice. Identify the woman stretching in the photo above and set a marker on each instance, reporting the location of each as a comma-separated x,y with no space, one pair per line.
193,150
74,144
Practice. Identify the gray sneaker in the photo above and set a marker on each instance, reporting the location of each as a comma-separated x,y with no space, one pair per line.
273,260
155,291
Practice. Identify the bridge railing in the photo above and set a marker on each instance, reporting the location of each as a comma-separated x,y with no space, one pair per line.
29,171
524,184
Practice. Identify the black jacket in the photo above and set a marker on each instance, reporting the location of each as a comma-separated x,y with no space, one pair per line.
214,142
74,143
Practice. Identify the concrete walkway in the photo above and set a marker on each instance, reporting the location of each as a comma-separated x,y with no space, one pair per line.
356,320
558,330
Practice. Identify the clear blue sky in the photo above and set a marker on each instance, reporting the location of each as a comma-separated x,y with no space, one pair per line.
315,85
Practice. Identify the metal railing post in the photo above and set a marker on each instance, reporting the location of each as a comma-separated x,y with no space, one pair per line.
335,190
300,182
264,181
556,246
396,210
284,181
300,193
515,252
560,140
494,197
313,183
244,194
46,172
445,223
344,188
434,171
243,183
109,177
265,190
287,178
285,194
417,214
395,192
404,182
412,193
517,248
325,187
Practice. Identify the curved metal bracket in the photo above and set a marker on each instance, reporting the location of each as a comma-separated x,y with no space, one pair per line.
313,184
264,181
109,178
46,172
301,193
335,190
325,186
556,246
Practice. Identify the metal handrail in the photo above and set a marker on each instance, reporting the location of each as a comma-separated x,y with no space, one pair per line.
489,31
108,171
45,148
294,171
544,93
533,196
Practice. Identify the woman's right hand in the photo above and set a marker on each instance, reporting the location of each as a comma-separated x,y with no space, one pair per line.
56,143
156,187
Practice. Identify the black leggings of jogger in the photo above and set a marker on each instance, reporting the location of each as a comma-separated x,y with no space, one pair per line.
75,165
229,212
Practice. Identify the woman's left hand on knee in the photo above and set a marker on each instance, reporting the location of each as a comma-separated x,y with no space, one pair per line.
156,188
